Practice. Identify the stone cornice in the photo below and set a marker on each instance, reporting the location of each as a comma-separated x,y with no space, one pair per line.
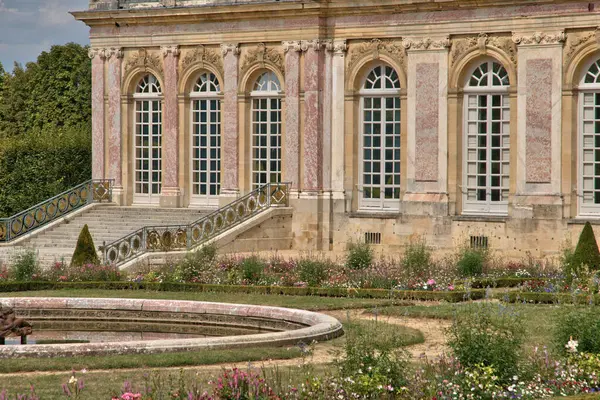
539,38
415,44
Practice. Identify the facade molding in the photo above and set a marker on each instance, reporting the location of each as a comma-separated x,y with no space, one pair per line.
427,43
262,56
172,50
143,61
389,51
481,43
202,57
539,38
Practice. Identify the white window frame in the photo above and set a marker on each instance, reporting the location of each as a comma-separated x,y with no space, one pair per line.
272,92
593,89
487,207
381,204
154,96
208,96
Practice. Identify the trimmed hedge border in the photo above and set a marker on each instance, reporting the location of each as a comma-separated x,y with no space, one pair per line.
452,297
507,282
547,298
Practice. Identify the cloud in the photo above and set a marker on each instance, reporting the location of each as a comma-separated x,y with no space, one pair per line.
5,9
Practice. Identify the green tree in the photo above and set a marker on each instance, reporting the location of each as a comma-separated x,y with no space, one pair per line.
85,252
586,253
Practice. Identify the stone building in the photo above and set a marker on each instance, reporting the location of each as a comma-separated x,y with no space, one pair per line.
454,119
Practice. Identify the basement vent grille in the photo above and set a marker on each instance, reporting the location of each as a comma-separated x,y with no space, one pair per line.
373,237
479,242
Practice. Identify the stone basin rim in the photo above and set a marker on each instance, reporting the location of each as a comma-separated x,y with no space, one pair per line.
319,327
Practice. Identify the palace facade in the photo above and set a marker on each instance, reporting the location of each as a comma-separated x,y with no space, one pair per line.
456,119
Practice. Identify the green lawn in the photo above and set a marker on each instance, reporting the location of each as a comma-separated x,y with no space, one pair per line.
303,302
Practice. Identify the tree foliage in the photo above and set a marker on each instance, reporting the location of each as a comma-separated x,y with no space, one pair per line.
45,125
85,252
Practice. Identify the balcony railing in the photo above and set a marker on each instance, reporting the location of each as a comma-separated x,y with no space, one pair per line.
186,237
92,191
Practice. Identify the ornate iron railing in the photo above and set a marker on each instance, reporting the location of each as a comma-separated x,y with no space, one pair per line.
186,237
92,191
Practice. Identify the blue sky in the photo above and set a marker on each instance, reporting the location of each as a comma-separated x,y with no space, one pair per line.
28,27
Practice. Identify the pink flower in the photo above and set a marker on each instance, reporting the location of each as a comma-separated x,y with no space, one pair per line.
431,282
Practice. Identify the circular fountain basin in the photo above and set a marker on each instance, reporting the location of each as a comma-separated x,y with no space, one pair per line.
143,326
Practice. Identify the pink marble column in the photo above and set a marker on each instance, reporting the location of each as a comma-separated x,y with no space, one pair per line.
313,145
171,193
292,116
98,56
229,149
115,159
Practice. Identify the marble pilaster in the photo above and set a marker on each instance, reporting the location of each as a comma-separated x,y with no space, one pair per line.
230,151
171,193
115,156
291,171
312,182
338,118
98,56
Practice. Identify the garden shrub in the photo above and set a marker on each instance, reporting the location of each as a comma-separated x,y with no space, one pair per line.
198,266
488,335
471,261
312,272
586,254
360,256
252,269
25,266
373,359
581,324
85,251
416,259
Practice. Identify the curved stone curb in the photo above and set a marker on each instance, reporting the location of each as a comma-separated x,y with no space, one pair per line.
319,327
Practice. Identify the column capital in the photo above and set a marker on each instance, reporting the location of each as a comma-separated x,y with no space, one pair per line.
538,38
426,43
172,50
116,52
337,46
314,44
294,45
234,48
97,52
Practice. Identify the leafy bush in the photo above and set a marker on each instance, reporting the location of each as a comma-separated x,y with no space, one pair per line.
252,269
198,266
360,256
586,254
487,335
581,324
373,359
25,266
312,272
471,261
416,259
85,251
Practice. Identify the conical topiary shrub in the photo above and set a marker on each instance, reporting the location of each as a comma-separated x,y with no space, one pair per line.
586,252
85,252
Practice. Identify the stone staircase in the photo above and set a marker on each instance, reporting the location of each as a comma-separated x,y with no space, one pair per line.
106,222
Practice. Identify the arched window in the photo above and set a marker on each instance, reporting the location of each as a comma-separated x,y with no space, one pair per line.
206,140
589,141
486,157
379,142
266,130
148,140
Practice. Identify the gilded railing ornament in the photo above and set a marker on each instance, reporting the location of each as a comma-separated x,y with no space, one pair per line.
186,237
92,191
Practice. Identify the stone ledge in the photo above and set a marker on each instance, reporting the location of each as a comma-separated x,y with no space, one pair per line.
375,215
319,327
583,220
481,218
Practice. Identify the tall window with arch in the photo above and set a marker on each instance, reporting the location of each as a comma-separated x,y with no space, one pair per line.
379,142
266,130
148,140
486,156
589,140
206,140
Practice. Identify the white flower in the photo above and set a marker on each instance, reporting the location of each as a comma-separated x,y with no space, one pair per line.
72,380
572,345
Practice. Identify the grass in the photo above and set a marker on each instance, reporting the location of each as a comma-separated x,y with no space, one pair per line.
302,302
382,331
